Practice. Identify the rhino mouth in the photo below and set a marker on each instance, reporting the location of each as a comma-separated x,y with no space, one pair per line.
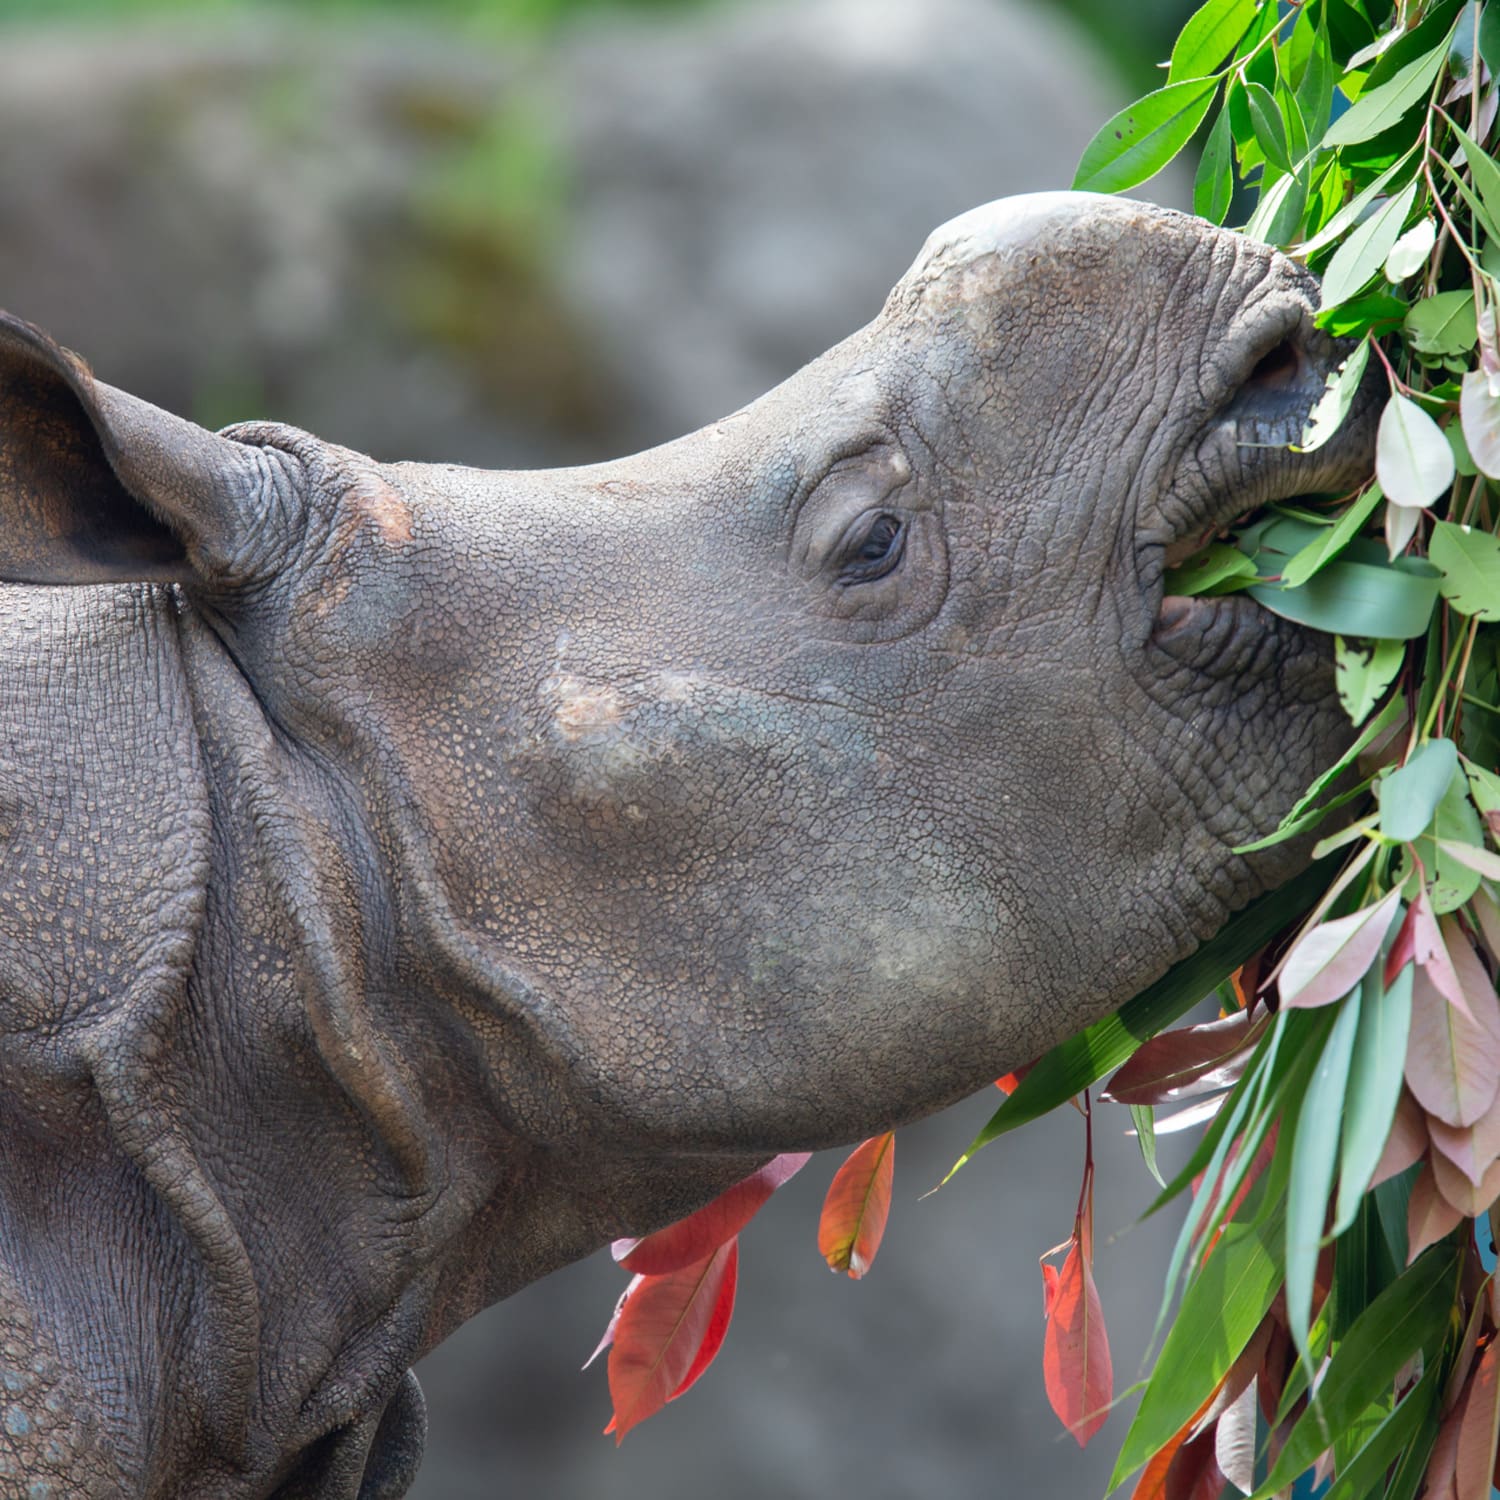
1240,461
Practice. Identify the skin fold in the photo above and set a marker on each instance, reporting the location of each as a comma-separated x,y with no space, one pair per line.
413,877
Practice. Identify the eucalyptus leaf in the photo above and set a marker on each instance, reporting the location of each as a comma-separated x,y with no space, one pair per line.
1314,1155
1218,569
1362,673
1409,254
1469,561
1358,207
1339,390
1143,137
1410,794
1266,121
1411,1314
1213,184
1412,458
1443,324
1375,1075
1349,598
1382,107
1208,36
1479,416
1332,540
1482,168
1220,1310
1363,1473
1365,248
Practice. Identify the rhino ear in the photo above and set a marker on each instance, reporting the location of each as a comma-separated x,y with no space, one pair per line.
99,487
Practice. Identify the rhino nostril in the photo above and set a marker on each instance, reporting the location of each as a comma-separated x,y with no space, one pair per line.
1278,368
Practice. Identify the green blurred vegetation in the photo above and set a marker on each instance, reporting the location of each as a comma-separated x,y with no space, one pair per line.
1134,36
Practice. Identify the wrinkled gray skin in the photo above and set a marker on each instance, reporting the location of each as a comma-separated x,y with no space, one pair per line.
412,877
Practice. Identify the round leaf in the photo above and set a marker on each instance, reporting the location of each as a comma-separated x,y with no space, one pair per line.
1412,458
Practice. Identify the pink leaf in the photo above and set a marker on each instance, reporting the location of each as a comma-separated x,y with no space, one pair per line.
1470,1199
696,1237
614,1321
1332,958
1406,1142
1429,1216
1478,1428
1075,1351
1472,1149
1452,1059
1432,953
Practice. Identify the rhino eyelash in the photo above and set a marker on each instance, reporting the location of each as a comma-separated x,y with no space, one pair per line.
874,549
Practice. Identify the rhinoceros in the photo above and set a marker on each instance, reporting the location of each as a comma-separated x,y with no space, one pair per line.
413,877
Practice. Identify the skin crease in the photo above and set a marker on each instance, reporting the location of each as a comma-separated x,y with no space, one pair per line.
415,877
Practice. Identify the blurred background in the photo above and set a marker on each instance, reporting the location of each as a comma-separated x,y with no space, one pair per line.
528,232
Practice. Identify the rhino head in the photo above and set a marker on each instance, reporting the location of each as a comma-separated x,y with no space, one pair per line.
556,846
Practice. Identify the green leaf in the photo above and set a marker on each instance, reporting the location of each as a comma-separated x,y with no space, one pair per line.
1331,540
1145,1134
1413,461
1213,184
1339,390
1353,212
1364,1474
1409,795
1452,879
1363,252
1278,215
1482,169
1210,34
1139,141
1220,1310
1489,37
1410,1314
1218,569
1266,121
1375,312
1362,673
1481,213
1374,1085
1352,598
1469,561
1442,324
1073,1065
1314,1153
1315,88
1382,107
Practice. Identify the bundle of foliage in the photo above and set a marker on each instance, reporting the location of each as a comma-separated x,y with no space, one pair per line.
1336,1313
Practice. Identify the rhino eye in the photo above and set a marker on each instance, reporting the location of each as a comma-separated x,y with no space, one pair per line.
874,547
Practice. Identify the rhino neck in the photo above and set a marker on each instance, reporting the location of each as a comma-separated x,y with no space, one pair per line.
381,1139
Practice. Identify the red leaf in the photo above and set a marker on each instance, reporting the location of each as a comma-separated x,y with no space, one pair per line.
696,1237
1194,1472
1049,1288
1191,1060
1452,1059
1012,1081
855,1210
1331,958
1152,1485
1429,1216
663,1333
1478,1428
1075,1351
1404,949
